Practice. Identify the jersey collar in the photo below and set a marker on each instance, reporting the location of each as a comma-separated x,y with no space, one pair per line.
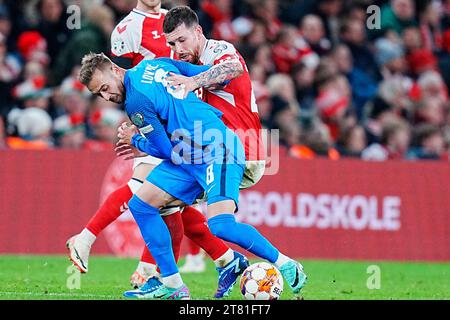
148,14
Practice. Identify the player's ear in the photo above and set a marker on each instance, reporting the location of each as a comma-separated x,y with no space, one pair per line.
198,30
115,68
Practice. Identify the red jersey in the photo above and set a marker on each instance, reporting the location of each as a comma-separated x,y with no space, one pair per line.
139,36
237,100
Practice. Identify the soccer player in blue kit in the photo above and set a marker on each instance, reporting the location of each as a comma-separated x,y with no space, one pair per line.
201,155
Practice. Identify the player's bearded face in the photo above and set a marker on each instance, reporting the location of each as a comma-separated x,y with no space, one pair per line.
108,85
185,42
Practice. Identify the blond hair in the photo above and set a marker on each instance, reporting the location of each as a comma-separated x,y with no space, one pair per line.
90,63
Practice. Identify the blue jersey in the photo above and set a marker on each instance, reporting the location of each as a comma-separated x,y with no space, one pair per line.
168,123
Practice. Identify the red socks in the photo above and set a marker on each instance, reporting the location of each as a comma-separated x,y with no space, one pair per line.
175,225
110,210
196,229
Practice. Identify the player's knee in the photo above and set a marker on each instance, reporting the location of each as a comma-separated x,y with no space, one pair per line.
221,224
137,206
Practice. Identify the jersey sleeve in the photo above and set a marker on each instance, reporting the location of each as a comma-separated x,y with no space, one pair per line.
185,68
152,137
222,51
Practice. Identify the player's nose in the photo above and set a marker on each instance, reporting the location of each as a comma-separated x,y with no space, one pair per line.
178,48
106,96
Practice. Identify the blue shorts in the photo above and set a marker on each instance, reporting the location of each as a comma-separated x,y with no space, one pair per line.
188,182
220,180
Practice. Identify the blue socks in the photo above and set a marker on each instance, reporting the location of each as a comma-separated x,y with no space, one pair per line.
155,234
246,236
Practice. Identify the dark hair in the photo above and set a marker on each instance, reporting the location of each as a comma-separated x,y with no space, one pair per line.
177,16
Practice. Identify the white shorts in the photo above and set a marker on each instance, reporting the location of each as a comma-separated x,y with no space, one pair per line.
147,159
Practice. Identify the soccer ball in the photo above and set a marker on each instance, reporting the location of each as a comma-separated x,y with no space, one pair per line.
261,281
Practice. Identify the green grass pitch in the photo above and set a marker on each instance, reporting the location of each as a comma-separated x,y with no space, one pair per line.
47,277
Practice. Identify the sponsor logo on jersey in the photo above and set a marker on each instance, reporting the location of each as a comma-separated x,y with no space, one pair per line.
137,119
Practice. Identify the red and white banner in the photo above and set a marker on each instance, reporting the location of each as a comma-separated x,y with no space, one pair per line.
346,209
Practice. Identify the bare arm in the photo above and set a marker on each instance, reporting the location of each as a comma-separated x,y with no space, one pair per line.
219,73
211,79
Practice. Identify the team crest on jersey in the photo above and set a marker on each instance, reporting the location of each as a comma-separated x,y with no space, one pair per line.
119,47
220,48
137,119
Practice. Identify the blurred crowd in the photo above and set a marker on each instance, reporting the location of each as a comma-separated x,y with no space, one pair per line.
336,80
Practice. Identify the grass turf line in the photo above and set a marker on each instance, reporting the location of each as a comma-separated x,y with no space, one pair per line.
45,277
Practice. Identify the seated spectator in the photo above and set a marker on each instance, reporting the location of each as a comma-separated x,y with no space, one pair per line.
33,93
412,39
304,85
267,12
432,84
284,103
326,70
253,40
220,14
428,143
263,57
430,110
396,91
332,106
430,24
329,11
378,113
290,134
351,141
104,123
390,58
363,87
74,97
70,131
397,15
314,142
394,143
33,70
34,127
333,98
312,30
353,33
355,10
290,48
32,46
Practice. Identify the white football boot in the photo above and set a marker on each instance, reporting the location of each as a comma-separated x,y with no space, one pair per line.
78,253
